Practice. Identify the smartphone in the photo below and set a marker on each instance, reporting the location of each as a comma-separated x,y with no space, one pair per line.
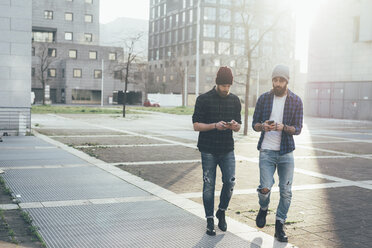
270,122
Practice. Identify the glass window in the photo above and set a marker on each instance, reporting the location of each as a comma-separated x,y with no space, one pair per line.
33,51
208,47
68,35
52,72
92,54
68,0
89,1
52,52
253,34
209,30
117,74
224,32
33,71
225,15
238,49
88,18
209,13
97,74
48,14
224,48
68,16
88,37
77,73
72,53
112,56
225,2
210,1
239,33
43,36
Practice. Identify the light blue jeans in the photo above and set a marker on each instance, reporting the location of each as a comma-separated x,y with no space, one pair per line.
227,166
269,161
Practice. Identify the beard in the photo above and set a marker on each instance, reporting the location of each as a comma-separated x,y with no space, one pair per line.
222,93
279,91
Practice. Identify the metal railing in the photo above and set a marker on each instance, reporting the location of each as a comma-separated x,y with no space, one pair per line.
15,120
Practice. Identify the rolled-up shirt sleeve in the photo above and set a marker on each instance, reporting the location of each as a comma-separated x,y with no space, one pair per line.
199,112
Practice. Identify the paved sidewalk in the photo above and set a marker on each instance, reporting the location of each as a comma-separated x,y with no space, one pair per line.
80,201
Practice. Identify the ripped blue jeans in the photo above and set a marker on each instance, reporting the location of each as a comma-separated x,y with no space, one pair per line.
269,161
227,166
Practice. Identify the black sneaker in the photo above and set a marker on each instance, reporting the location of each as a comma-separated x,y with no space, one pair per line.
210,227
279,232
261,218
221,220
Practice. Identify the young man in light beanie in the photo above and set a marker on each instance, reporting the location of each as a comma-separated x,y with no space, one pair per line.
278,116
216,115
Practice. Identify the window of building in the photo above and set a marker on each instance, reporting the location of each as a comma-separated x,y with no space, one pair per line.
92,54
224,48
191,16
224,32
208,47
210,1
89,1
33,51
225,15
238,49
88,18
253,34
52,72
88,37
209,30
69,0
48,14
68,16
97,74
112,56
52,52
72,53
117,75
239,33
77,73
42,36
63,73
225,2
209,14
33,71
68,36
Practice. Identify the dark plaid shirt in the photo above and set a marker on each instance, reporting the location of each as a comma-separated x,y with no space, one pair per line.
212,108
292,116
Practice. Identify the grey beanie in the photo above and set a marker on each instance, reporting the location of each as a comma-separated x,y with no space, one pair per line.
281,71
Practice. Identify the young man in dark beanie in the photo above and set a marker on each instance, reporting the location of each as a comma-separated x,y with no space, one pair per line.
216,115
278,116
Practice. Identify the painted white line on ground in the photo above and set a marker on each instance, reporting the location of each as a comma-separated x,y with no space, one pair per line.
91,136
244,231
343,138
158,162
27,147
8,206
44,166
366,156
121,146
276,189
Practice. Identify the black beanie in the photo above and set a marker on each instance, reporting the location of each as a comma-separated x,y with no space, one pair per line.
224,76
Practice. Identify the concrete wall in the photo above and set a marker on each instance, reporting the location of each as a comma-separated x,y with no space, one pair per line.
78,25
15,57
340,60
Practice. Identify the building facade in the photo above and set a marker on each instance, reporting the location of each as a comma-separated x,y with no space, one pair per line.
223,41
340,57
67,57
15,64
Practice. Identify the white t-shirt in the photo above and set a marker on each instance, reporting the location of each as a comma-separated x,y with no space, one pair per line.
272,139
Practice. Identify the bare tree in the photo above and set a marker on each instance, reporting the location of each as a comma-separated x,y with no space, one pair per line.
46,56
125,64
249,15
180,69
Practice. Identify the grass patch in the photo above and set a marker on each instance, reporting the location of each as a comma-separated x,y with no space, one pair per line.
50,109
168,110
33,229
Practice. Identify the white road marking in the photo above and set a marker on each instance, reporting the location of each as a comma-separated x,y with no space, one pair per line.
120,146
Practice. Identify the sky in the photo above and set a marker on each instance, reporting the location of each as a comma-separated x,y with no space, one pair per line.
139,9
